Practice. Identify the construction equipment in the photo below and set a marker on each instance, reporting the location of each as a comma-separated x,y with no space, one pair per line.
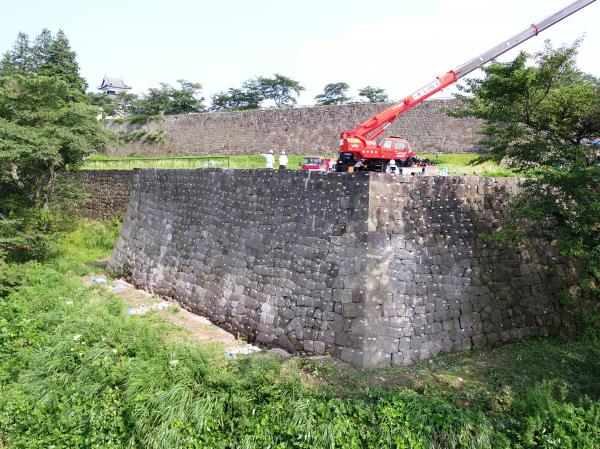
318,163
358,147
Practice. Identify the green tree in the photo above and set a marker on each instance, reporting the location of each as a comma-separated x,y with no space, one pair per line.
42,47
537,113
121,105
281,89
186,99
58,60
334,93
166,100
46,126
105,103
373,94
247,98
18,60
43,131
153,102
48,56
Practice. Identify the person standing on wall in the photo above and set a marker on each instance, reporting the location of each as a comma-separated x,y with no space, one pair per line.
283,160
392,168
270,159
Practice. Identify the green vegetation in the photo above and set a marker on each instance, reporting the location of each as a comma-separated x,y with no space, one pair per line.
538,113
47,126
157,102
457,164
465,164
128,163
373,94
280,89
334,93
77,372
48,56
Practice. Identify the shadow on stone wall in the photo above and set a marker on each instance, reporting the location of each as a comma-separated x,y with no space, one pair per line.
107,191
435,286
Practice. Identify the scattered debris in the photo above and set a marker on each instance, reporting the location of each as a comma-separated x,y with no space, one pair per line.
236,351
145,309
118,286
142,302
98,279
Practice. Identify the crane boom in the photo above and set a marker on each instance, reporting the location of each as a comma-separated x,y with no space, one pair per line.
360,141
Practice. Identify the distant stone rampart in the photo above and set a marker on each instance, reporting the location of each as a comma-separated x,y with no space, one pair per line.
302,130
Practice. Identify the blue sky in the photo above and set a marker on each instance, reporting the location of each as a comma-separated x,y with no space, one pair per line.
399,45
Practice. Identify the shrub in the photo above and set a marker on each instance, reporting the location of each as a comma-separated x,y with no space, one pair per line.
543,419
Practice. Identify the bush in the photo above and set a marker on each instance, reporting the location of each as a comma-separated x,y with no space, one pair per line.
11,277
544,420
32,233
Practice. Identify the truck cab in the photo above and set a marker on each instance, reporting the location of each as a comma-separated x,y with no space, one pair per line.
397,148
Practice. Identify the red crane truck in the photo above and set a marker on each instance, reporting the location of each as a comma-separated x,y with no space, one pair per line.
358,148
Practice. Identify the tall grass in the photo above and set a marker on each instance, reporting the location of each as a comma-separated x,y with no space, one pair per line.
76,372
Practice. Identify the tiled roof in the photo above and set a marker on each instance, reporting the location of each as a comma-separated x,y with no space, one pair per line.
117,83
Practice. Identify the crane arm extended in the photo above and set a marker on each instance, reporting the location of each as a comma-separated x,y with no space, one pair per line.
377,124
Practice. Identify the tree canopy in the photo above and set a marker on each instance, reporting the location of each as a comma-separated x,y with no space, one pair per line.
167,100
234,99
43,132
46,126
279,89
373,94
49,56
538,112
333,93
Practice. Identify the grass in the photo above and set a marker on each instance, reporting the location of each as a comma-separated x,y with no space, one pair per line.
457,164
76,372
129,163
462,164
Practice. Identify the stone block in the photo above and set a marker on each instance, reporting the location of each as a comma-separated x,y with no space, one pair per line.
278,257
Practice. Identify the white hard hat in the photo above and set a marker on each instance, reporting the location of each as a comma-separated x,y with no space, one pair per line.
271,151
282,151
392,162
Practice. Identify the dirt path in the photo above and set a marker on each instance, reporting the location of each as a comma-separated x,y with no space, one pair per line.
140,302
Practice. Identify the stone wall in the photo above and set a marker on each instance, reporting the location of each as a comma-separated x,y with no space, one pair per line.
305,130
271,255
372,268
107,192
433,286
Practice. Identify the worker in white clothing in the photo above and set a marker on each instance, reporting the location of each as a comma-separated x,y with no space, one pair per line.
270,158
392,168
283,160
